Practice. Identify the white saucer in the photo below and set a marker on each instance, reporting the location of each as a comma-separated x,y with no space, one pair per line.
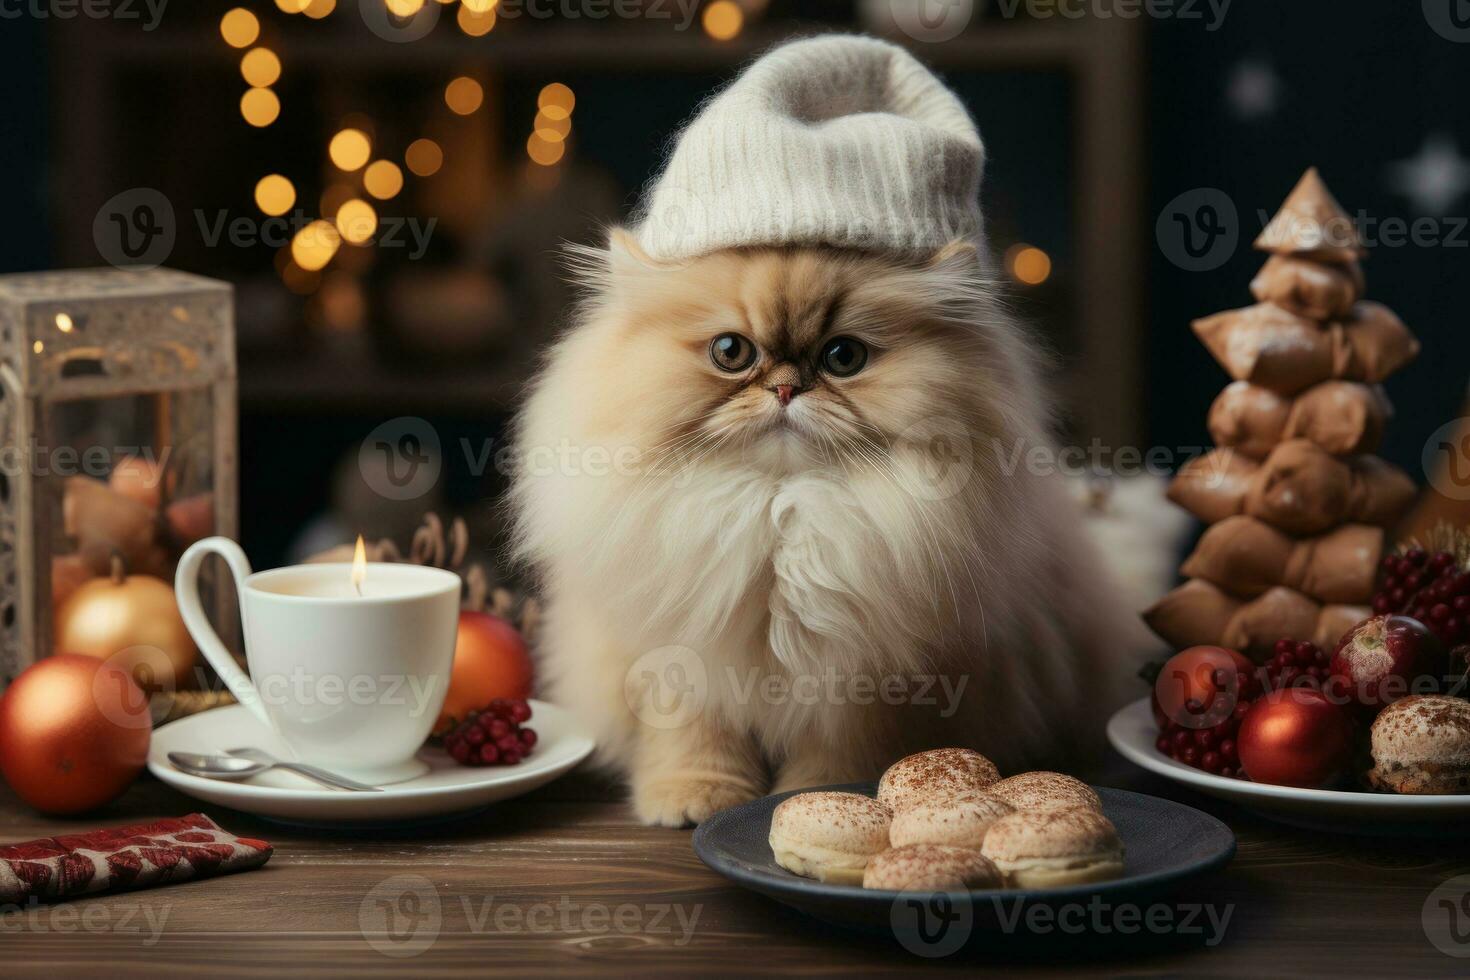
446,788
1133,733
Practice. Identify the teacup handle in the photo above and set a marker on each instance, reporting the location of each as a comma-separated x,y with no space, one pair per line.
186,587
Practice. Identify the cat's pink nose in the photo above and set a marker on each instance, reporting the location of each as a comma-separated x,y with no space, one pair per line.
784,393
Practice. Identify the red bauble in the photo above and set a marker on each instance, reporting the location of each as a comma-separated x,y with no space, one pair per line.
490,661
1198,687
74,733
1295,736
1385,658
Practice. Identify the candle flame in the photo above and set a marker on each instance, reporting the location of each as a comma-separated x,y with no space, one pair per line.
359,565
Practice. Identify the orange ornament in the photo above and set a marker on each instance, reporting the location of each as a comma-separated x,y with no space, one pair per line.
132,621
490,661
74,733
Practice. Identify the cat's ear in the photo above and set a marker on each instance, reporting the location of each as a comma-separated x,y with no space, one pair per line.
625,257
620,262
960,255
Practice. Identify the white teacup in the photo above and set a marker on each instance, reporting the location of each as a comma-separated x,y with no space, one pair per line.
351,681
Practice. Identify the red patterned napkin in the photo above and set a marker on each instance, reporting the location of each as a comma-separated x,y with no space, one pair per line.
141,856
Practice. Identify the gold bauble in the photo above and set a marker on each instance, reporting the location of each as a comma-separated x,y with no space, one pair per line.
133,620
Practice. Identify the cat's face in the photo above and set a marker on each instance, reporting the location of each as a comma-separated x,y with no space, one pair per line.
783,354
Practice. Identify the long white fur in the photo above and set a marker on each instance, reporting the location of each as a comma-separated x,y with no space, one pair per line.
770,563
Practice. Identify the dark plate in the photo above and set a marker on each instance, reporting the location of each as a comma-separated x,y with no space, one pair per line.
1166,845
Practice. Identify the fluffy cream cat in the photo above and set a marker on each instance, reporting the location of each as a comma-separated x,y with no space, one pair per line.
780,506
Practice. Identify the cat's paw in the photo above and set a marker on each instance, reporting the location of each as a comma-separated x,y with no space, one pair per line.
678,801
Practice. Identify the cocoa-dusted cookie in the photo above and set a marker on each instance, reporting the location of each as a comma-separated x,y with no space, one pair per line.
1421,745
930,775
829,836
1048,848
931,867
1045,791
953,820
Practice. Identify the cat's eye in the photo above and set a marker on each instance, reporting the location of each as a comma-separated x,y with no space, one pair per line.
732,352
844,356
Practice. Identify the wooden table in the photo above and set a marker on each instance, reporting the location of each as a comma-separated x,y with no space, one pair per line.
565,882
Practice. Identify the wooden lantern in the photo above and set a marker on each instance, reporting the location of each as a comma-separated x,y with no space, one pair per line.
118,420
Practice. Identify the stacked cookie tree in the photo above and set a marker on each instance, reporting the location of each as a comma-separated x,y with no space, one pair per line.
1296,503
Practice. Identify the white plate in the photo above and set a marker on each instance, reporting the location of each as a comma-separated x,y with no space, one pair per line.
1133,733
447,788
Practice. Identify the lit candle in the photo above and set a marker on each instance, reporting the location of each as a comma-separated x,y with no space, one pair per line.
359,566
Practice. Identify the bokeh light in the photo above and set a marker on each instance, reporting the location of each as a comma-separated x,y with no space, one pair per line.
275,195
556,98
404,8
292,6
260,107
382,179
261,67
1028,264
551,129
317,9
239,28
723,19
544,152
463,95
473,24
314,245
357,221
424,157
350,149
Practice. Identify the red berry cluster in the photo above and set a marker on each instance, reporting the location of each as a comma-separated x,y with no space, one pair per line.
1296,663
1432,588
1213,749
493,736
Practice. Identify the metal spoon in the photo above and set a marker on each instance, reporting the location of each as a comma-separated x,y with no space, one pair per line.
237,767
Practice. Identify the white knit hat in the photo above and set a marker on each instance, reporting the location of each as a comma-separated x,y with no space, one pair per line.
835,140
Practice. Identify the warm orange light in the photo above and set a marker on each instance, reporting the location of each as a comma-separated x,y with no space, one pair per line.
317,9
382,179
239,28
260,107
274,195
404,8
261,67
463,95
359,566
357,221
314,245
1029,264
723,19
550,128
292,6
473,24
350,149
479,6
557,96
64,323
424,157
544,152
